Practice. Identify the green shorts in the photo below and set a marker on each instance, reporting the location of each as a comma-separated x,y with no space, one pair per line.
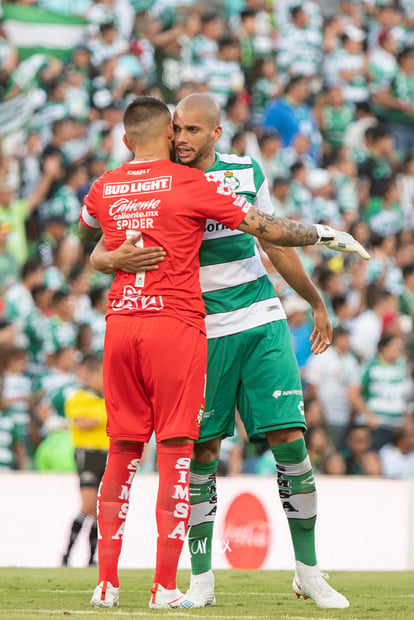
257,372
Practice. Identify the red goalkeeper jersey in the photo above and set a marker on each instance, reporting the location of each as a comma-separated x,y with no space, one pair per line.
169,204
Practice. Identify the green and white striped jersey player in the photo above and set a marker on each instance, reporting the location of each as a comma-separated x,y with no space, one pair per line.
251,363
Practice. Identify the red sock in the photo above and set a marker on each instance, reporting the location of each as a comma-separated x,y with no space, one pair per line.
113,503
173,509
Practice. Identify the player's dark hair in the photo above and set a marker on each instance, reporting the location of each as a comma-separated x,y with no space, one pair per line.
144,110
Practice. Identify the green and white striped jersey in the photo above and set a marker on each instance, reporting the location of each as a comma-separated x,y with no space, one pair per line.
385,389
10,434
237,292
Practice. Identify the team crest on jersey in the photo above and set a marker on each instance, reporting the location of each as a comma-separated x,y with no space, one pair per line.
200,414
231,181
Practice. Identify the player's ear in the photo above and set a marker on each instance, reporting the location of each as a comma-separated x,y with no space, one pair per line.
217,131
170,130
127,144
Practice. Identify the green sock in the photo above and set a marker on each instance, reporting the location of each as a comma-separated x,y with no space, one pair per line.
203,500
298,496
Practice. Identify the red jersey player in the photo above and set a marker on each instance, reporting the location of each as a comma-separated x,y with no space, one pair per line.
155,347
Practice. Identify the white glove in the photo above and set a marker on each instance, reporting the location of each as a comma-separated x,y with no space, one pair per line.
339,241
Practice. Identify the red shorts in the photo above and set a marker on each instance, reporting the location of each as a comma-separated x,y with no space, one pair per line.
154,372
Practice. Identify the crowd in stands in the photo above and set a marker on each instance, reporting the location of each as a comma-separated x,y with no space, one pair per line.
321,94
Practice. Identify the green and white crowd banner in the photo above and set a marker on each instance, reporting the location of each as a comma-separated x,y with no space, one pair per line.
33,30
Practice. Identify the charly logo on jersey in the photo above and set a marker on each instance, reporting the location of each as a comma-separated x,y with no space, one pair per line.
231,181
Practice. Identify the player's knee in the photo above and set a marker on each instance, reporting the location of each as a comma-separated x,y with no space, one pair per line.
206,451
283,435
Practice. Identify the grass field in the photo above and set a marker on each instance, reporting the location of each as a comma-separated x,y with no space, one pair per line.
37,594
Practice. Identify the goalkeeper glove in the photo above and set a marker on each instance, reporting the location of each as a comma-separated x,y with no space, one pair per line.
339,241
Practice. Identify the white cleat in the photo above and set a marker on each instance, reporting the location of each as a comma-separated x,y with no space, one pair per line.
164,599
322,594
105,595
201,591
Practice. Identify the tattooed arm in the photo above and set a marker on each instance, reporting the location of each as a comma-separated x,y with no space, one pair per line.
285,232
278,230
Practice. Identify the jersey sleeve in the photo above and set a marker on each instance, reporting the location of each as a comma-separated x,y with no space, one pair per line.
214,200
88,214
262,200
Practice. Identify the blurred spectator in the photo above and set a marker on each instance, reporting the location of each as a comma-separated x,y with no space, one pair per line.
397,456
396,100
18,298
52,233
298,53
235,119
37,328
325,209
359,454
12,444
367,327
328,377
406,188
300,327
318,446
272,166
336,117
346,66
300,196
380,162
53,383
55,451
85,408
344,176
17,391
383,212
333,464
354,137
382,64
223,74
63,329
65,202
291,115
95,318
8,265
266,86
15,212
382,395
279,195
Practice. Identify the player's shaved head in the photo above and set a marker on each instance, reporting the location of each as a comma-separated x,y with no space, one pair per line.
145,119
202,104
